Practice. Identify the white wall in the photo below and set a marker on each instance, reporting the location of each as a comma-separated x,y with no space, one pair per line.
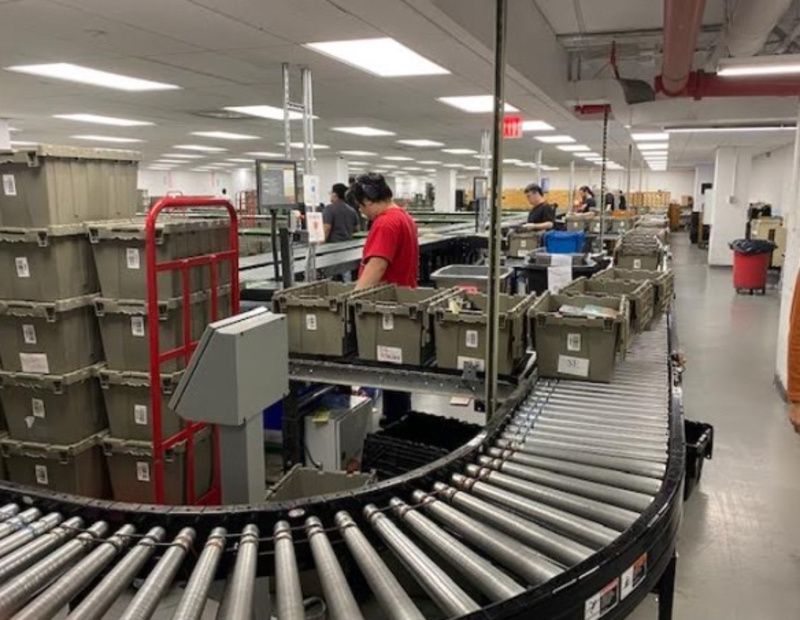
732,171
772,178
159,183
677,182
703,173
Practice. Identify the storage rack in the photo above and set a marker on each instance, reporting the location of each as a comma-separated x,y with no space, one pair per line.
536,535
158,357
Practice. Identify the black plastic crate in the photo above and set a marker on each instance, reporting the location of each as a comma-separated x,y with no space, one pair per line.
414,440
699,447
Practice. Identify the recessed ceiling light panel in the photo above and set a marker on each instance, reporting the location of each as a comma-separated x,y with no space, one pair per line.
102,120
650,137
573,148
383,57
422,143
475,104
536,126
94,77
459,151
368,132
114,139
556,139
271,112
224,135
398,158
359,153
200,147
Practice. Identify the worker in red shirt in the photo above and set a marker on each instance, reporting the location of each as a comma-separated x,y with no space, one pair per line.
391,253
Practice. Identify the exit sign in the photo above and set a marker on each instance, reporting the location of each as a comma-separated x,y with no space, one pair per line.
512,127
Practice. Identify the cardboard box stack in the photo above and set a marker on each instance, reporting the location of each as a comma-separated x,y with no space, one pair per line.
50,346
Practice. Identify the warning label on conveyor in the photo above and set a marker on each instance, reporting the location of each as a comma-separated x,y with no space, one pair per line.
601,603
632,577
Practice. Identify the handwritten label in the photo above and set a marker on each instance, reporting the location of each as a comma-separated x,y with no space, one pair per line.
140,415
143,471
392,355
37,407
28,333
311,322
387,322
577,366
137,326
35,363
23,269
132,259
40,472
9,185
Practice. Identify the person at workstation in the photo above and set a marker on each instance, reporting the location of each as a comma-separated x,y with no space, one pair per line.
587,203
542,215
391,252
339,219
622,202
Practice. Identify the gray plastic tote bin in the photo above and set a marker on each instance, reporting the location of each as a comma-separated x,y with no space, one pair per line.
124,328
52,408
577,347
470,277
119,254
663,282
640,294
46,264
130,468
460,330
639,259
49,337
523,242
318,317
49,185
393,324
127,398
77,468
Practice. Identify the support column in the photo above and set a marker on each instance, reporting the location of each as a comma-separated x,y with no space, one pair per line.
730,197
330,170
790,209
445,201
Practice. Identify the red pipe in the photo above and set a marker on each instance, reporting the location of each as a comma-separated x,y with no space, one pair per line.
682,21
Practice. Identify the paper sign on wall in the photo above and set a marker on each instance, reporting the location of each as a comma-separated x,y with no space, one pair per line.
316,230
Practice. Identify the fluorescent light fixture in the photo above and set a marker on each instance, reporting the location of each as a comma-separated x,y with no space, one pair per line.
102,120
170,161
383,57
94,77
299,145
729,128
358,163
512,161
200,147
655,153
364,131
223,164
429,162
649,137
785,64
224,135
264,154
475,104
653,146
271,112
359,153
459,151
556,139
549,168
398,158
114,139
588,155
422,143
386,166
161,168
201,170
411,168
241,160
472,167
573,148
536,126
182,156
453,165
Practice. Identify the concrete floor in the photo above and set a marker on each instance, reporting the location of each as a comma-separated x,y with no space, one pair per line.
739,551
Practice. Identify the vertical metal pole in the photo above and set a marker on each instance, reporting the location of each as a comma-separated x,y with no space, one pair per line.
571,185
287,130
492,315
628,176
539,166
486,156
603,188
287,257
308,166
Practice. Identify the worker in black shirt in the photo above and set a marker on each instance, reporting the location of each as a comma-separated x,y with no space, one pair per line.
542,216
587,203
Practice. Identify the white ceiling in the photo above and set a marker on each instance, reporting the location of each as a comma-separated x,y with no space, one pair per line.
229,52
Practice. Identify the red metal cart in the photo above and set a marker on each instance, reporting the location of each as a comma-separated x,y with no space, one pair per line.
213,262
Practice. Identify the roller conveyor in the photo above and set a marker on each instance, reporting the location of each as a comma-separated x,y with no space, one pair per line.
570,499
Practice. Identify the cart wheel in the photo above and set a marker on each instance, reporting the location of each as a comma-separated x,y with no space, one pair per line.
738,291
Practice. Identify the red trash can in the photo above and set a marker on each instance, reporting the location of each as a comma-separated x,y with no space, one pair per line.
750,271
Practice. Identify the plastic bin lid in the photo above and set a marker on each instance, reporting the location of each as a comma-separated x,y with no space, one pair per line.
133,378
44,309
135,447
35,449
48,382
40,236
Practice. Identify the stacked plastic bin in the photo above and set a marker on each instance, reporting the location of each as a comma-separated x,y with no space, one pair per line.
50,347
119,248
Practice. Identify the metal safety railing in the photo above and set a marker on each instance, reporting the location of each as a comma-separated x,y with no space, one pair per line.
212,261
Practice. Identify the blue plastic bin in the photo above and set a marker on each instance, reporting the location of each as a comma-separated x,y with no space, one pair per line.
564,242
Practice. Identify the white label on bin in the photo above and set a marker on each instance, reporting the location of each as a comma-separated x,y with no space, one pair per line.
558,277
9,185
311,322
393,355
471,339
143,471
23,269
28,333
132,258
573,342
475,362
387,321
523,243
137,326
140,414
601,603
637,263
632,577
37,407
40,471
35,363
568,365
